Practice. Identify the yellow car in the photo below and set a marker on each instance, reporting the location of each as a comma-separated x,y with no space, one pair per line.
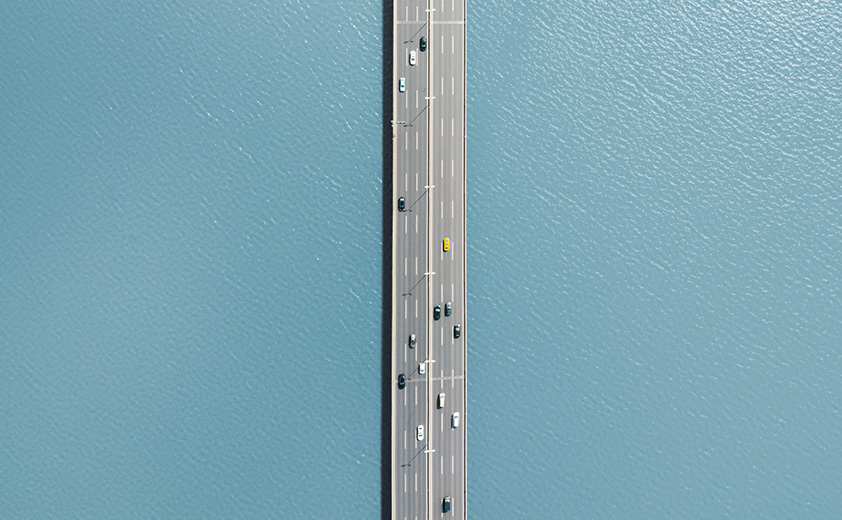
446,245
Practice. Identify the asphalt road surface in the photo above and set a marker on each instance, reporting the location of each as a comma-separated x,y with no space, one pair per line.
428,141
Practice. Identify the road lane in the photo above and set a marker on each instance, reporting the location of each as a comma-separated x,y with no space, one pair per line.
435,118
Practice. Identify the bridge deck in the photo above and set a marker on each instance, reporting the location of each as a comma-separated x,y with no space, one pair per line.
428,171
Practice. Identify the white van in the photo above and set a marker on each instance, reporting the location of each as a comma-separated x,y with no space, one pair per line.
441,400
454,421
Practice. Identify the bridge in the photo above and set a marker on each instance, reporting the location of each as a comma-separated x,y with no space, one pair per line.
429,314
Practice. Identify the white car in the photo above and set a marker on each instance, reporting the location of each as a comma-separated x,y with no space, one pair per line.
419,432
422,368
441,400
412,57
402,85
454,421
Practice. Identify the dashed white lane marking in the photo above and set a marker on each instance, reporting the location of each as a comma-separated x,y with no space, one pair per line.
416,176
451,464
406,266
404,483
416,481
404,440
416,223
406,182
416,308
452,86
416,140
442,127
416,395
453,43
451,127
406,141
452,378
442,44
416,99
442,86
416,13
416,272
452,168
406,226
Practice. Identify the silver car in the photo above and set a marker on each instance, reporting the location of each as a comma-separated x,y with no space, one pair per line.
402,85
412,58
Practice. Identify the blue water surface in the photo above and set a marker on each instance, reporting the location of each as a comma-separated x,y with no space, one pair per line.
191,225
655,227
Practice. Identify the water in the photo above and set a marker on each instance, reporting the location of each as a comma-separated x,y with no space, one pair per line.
190,324
190,219
654,276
